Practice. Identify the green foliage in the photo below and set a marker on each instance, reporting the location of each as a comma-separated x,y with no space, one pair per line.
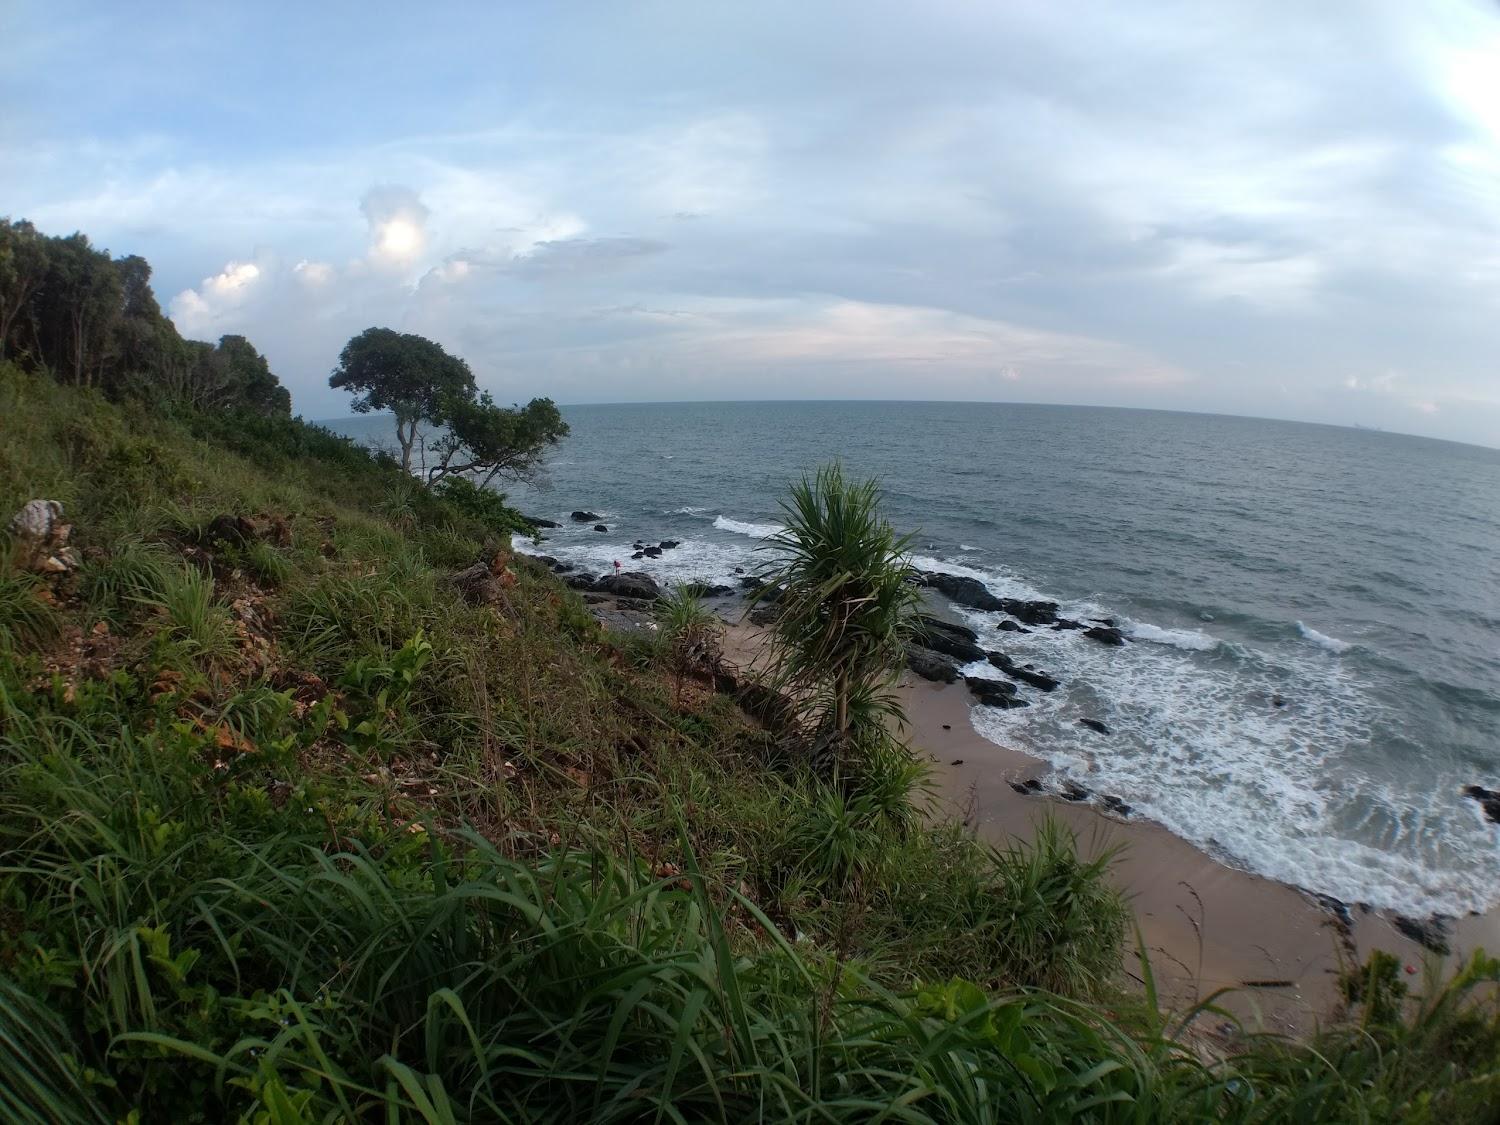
68,308
482,506
408,375
489,441
25,619
844,599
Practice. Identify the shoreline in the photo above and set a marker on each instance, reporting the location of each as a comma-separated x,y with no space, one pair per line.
1206,926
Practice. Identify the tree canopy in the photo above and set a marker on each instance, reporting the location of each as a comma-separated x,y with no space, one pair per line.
423,386
92,320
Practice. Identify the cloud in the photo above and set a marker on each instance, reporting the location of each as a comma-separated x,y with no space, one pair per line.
1283,208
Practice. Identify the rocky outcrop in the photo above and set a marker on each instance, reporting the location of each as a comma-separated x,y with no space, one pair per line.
1028,788
701,588
42,538
600,527
930,666
535,522
1115,805
965,591
1009,626
957,641
485,583
1105,635
995,693
1072,791
1025,675
631,584
668,544
580,581
585,517
1094,725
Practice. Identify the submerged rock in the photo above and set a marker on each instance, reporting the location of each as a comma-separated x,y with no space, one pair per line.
668,544
600,527
1094,725
535,522
930,665
1115,805
1009,626
1072,791
651,552
585,517
1105,635
1067,623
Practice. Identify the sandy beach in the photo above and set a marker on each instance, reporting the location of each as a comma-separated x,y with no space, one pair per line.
1206,926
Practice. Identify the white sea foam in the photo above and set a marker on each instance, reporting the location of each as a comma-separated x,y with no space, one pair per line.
1323,640
1191,639
691,560
688,510
754,530
1200,749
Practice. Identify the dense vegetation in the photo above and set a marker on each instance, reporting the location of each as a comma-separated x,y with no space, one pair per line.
292,830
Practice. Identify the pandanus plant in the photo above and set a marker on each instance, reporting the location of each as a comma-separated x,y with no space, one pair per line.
844,598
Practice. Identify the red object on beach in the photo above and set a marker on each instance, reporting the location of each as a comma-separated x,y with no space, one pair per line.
1410,970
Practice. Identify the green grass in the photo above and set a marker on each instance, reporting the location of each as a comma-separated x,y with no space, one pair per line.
406,859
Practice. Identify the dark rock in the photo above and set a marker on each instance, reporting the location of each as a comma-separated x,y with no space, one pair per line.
596,599
931,666
750,582
1489,800
600,527
763,615
562,567
1067,623
698,588
478,585
1094,725
956,641
1115,805
965,591
631,584
638,555
1340,911
739,570
546,560
947,726
1019,788
1072,791
651,552
763,704
995,693
1430,933
1108,621
580,581
1277,701
235,531
534,522
1105,635
1025,675
1008,626
668,544
956,762
585,517
1031,613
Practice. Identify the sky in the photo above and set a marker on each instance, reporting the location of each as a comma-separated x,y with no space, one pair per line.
1263,207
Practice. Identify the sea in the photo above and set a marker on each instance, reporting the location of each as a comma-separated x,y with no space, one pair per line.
1312,673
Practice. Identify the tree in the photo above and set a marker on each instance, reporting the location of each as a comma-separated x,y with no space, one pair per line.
23,267
75,310
412,377
484,441
844,597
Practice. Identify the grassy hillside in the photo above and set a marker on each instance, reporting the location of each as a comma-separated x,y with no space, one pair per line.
290,830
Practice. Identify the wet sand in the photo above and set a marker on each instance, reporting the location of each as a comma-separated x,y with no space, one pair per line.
1206,926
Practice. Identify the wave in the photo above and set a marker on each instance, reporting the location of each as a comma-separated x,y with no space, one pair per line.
688,510
1190,639
754,530
1323,640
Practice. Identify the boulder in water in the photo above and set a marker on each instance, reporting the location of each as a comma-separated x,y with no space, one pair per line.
1489,800
1009,626
1105,635
995,693
600,527
957,641
1025,675
585,517
1094,725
